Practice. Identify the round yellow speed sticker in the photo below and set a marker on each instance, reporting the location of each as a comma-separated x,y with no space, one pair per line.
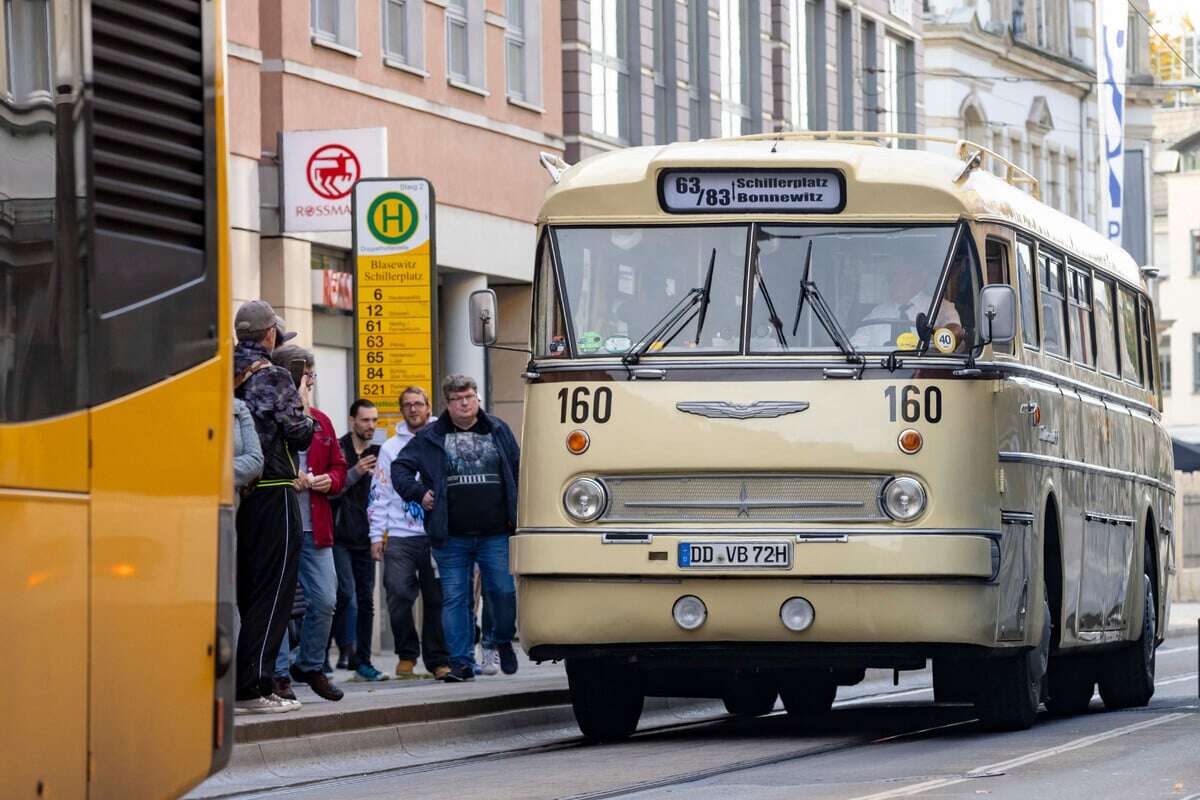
944,340
907,341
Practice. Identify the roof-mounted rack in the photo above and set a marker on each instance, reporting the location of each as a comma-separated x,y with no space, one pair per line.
969,152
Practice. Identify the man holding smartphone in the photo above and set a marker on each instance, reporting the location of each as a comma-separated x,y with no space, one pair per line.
355,616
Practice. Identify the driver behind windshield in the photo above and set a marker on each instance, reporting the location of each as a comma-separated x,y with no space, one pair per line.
884,326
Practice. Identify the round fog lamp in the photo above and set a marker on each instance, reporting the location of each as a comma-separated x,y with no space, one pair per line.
584,499
689,612
904,499
796,614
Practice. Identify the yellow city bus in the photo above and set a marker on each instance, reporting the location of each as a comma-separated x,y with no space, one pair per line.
801,405
115,382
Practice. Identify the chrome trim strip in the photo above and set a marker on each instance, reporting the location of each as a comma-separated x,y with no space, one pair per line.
759,409
821,538
1107,519
626,538
1062,380
791,531
1006,456
740,504
1016,518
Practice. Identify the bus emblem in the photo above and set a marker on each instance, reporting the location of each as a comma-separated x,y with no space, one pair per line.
760,409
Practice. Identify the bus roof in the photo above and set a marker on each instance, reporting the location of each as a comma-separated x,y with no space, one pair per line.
882,184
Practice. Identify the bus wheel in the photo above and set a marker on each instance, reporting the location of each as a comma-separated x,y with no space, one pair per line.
1070,684
953,681
1127,675
807,691
607,698
751,694
1012,688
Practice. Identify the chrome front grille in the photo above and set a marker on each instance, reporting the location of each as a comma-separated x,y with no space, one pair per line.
744,498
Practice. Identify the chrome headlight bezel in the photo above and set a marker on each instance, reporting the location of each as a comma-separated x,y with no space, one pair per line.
899,487
591,486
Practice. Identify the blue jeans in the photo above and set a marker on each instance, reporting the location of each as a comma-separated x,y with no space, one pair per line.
318,577
283,661
456,563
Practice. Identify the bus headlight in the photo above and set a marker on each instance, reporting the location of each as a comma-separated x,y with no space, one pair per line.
689,612
585,499
904,499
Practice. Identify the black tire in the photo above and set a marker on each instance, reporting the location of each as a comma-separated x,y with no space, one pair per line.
751,695
1127,675
954,681
807,692
1070,684
607,698
1012,690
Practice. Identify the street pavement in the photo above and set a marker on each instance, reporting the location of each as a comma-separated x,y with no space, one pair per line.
444,736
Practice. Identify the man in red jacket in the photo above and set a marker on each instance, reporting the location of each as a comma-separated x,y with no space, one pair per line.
322,472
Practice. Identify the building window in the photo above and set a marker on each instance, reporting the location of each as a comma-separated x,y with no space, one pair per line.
335,22
699,113
666,96
1196,252
899,90
27,24
1073,187
736,115
514,48
870,77
610,68
816,89
458,60
799,63
845,32
1164,363
403,26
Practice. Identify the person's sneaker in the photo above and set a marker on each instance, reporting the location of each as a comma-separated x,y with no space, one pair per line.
508,658
283,688
289,705
366,672
319,683
440,673
260,705
459,674
489,662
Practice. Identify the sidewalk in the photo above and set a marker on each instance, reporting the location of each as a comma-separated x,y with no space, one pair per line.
1182,619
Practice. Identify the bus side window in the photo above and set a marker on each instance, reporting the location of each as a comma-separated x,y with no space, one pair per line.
1106,332
550,331
1083,347
1029,316
1051,275
996,256
1147,346
1131,366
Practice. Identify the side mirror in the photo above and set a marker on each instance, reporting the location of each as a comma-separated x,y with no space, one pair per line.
998,313
482,311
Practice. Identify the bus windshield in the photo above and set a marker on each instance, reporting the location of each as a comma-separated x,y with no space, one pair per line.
619,282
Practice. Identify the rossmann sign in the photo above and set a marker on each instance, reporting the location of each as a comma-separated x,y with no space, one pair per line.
320,169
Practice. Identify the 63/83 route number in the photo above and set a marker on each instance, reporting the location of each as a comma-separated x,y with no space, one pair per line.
598,408
910,403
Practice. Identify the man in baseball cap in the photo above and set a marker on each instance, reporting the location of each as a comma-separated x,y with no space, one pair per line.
255,318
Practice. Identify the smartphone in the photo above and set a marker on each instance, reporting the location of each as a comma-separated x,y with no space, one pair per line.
372,450
296,367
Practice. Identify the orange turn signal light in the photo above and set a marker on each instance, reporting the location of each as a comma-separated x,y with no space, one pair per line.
910,441
578,441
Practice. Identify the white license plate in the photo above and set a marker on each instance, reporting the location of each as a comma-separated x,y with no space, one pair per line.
765,555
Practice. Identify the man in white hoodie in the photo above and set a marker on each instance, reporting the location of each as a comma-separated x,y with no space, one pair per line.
408,569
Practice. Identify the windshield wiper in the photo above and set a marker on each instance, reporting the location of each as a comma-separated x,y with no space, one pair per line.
772,315
825,315
668,321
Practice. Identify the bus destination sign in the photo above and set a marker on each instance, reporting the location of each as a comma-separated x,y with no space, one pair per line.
775,191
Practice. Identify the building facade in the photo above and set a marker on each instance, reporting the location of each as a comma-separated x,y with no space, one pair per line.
469,93
1019,77
640,72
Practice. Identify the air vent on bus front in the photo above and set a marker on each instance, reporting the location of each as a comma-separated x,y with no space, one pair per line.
148,120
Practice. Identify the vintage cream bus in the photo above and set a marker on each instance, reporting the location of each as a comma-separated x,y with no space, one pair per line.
801,405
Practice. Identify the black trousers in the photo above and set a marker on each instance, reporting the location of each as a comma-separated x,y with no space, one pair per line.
268,558
356,590
407,573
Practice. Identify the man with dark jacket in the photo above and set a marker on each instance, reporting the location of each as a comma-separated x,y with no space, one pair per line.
464,470
268,518
355,615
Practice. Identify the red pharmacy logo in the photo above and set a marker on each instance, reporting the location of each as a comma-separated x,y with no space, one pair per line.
332,171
